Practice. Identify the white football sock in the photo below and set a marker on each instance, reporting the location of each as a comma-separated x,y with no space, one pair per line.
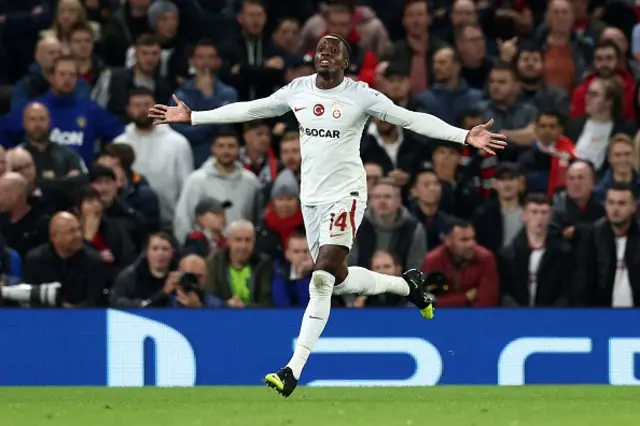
364,282
314,319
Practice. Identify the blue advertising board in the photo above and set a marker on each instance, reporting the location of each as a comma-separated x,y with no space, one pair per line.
392,347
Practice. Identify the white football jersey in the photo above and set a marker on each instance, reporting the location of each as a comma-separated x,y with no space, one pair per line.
331,124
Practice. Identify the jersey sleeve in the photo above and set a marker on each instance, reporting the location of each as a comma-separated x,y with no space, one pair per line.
238,112
378,105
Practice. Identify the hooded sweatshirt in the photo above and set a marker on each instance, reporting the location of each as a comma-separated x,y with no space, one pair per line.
240,187
405,237
163,156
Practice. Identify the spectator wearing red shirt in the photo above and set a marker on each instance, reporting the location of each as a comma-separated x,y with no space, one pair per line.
606,59
470,269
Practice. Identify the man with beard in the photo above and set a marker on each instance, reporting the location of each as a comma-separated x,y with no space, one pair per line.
606,58
529,63
608,273
52,161
162,155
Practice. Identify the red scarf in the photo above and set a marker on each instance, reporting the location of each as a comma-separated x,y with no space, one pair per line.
285,227
560,158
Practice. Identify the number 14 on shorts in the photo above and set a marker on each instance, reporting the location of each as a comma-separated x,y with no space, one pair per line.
338,223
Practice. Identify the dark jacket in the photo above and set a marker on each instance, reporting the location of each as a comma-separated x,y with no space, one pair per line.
600,191
448,104
566,213
129,219
487,222
547,97
119,246
286,292
139,195
401,53
553,277
410,152
434,226
83,276
596,270
120,32
259,284
56,161
27,233
135,287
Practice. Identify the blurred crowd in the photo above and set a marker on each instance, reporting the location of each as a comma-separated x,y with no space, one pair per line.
99,207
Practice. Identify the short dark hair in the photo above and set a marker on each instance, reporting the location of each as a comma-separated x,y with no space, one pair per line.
203,42
622,186
609,44
455,222
226,133
552,113
141,91
408,3
148,40
420,172
164,236
123,152
468,113
537,198
503,66
83,194
63,58
250,125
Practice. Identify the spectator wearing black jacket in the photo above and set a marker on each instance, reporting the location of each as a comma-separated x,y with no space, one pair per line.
23,224
500,219
608,271
52,160
66,260
107,238
535,267
124,27
103,180
152,279
427,194
207,238
252,62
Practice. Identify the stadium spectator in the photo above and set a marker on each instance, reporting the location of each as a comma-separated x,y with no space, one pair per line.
536,266
292,274
388,225
396,84
476,166
190,292
282,218
592,132
238,274
10,266
450,94
52,160
221,177
256,155
534,90
103,180
476,64
469,268
546,163
290,157
203,92
462,13
162,155
207,237
287,35
606,59
252,63
626,64
81,44
427,194
113,88
122,30
75,121
374,173
152,279
566,55
500,219
395,149
110,241
23,223
68,14
586,25
575,208
608,273
372,34
383,262
621,170
66,260
133,188
511,117
3,160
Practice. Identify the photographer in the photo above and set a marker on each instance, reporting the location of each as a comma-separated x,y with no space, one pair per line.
193,279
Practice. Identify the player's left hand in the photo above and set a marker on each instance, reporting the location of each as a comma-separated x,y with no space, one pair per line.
481,138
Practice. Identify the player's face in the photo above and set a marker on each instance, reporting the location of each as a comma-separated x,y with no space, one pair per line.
329,58
383,263
620,207
428,189
536,217
285,206
462,242
621,157
159,254
548,129
225,150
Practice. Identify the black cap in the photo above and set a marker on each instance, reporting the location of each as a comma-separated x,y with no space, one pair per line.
99,171
211,205
508,170
394,69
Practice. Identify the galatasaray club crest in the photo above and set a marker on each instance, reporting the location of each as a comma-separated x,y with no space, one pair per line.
336,110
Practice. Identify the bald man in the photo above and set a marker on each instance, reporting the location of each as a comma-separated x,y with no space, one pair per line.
191,291
66,260
52,160
23,226
36,82
238,274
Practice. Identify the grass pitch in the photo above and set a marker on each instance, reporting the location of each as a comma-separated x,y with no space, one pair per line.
256,406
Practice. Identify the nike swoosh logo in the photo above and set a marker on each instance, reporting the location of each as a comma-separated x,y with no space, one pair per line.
312,317
299,109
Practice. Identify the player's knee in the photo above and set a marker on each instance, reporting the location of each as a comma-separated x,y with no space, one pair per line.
321,284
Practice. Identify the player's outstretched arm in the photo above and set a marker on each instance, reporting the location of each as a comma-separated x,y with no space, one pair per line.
237,112
432,127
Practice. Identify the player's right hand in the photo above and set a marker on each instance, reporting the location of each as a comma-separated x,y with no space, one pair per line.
163,114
